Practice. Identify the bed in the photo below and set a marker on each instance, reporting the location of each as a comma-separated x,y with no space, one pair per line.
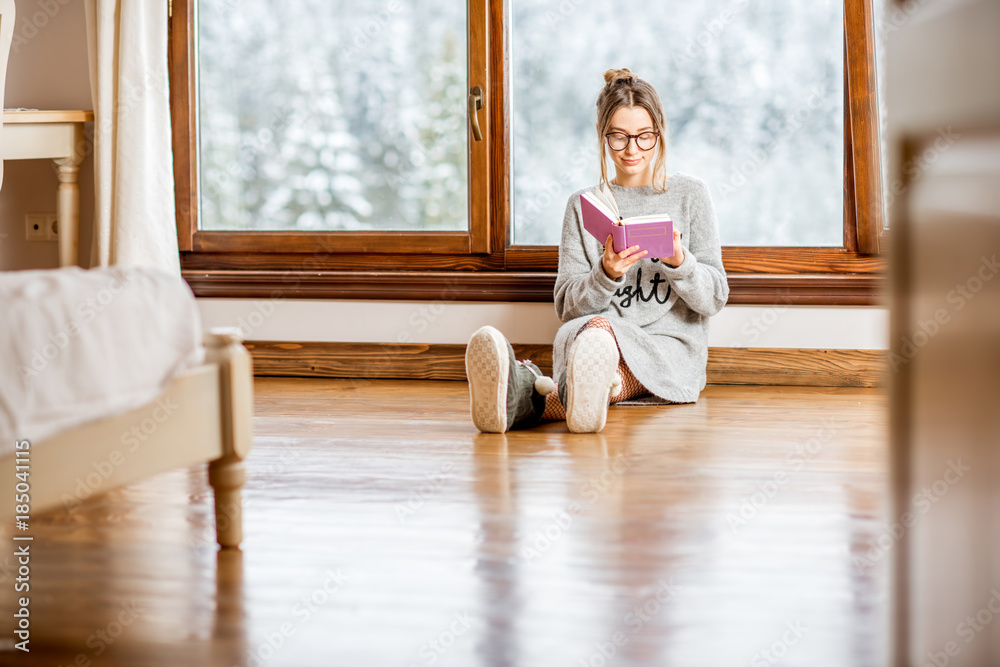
88,404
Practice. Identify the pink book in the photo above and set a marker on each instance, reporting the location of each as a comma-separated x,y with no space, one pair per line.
654,233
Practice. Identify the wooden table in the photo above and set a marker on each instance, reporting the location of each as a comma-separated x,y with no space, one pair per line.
56,135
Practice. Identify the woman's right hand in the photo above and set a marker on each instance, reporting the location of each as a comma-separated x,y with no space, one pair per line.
617,264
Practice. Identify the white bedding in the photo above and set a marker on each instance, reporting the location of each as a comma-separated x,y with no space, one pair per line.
77,345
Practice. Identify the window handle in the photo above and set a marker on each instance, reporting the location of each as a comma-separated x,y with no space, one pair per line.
476,103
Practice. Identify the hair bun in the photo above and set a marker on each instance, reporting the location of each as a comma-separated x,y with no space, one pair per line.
613,75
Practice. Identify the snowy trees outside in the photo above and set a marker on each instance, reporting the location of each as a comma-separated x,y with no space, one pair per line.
332,115
337,115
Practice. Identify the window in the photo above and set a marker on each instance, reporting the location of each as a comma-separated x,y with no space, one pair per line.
334,171
333,115
314,130
753,94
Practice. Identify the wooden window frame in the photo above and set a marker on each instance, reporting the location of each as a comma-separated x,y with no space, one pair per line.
481,265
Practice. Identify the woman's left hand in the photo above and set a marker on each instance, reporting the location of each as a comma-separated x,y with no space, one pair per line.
678,257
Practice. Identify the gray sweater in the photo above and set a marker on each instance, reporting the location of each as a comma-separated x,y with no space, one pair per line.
659,313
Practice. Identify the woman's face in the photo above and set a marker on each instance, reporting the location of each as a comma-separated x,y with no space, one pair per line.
632,163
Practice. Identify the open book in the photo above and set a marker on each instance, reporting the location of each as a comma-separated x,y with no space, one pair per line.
654,233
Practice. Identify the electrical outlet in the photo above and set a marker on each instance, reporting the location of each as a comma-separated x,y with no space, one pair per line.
34,227
41,227
51,227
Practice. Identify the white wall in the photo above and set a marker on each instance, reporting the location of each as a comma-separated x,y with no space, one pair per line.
450,322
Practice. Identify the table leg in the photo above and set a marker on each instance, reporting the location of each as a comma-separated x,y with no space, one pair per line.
68,211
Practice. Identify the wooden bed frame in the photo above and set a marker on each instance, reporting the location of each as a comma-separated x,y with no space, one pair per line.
204,415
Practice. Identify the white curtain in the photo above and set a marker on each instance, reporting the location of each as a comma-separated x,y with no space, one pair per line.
134,222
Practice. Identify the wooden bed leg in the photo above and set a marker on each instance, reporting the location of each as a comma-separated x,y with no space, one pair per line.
227,473
227,478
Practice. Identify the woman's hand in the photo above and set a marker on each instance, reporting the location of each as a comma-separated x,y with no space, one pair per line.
617,264
678,257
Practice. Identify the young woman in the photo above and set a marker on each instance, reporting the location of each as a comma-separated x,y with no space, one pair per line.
632,325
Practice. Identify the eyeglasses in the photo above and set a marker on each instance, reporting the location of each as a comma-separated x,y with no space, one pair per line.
619,141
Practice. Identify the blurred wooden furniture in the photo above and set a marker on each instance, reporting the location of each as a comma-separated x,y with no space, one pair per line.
943,103
8,14
56,135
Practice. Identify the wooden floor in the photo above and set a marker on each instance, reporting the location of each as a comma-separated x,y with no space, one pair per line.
382,529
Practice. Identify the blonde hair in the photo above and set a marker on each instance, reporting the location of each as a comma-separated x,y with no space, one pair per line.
622,88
